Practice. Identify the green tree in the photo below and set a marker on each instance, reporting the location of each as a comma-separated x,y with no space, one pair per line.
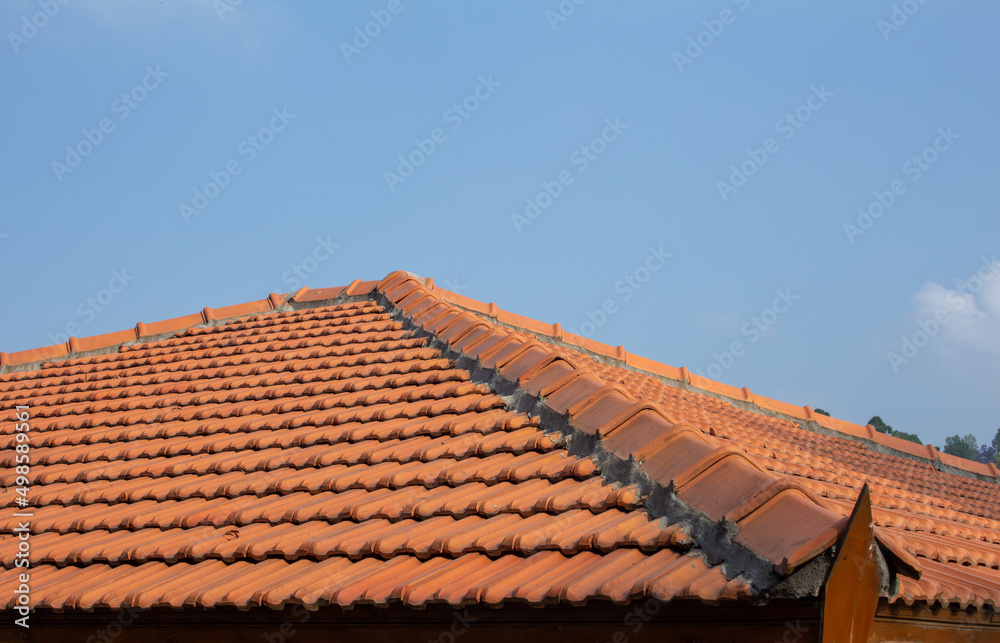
964,447
882,427
912,437
879,425
821,412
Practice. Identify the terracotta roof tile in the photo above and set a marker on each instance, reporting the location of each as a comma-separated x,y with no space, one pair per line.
394,442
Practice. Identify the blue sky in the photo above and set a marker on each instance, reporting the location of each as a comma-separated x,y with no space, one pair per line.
681,178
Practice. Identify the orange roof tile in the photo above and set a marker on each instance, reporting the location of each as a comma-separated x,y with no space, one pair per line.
391,441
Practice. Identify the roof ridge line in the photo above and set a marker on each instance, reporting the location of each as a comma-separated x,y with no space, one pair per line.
682,378
107,343
523,370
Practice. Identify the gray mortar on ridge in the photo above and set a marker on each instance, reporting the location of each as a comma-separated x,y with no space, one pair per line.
714,539
806,425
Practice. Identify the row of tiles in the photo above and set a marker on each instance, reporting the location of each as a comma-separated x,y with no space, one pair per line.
261,432
568,532
343,363
356,505
253,417
411,378
221,453
341,318
972,503
321,381
964,527
321,394
322,456
554,465
942,547
545,577
950,584
887,497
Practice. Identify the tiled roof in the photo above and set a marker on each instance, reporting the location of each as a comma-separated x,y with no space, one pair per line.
394,442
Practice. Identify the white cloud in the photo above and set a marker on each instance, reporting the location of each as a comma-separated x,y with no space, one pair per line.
972,309
215,21
717,320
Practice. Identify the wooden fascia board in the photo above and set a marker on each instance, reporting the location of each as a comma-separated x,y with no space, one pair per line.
851,593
